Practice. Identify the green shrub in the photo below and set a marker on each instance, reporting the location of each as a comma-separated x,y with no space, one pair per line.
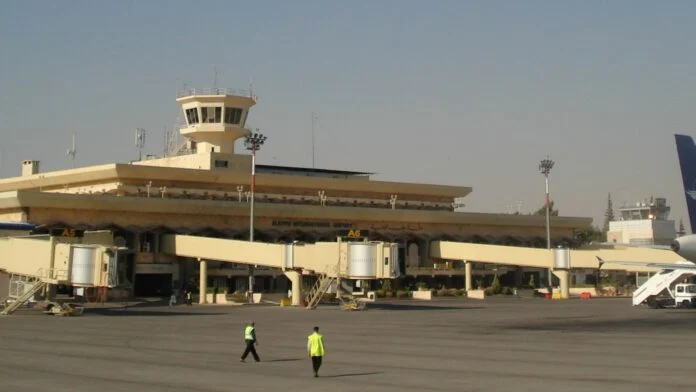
506,291
532,283
238,297
387,285
488,292
462,292
453,292
390,294
380,294
442,293
496,287
403,294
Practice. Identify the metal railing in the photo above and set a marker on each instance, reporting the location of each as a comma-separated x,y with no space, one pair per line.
216,91
52,274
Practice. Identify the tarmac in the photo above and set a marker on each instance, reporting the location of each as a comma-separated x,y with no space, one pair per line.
498,344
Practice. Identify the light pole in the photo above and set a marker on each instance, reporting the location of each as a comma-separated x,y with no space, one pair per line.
240,189
253,143
545,167
392,201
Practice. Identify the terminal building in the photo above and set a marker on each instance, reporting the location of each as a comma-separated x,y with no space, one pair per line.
203,187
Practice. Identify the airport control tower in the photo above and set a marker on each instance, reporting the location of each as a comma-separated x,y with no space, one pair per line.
214,119
643,224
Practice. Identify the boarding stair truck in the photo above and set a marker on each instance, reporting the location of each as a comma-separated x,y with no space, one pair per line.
660,290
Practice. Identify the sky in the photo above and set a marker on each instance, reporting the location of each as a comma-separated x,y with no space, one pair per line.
470,93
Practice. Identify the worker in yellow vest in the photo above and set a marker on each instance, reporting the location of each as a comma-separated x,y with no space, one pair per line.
250,340
315,349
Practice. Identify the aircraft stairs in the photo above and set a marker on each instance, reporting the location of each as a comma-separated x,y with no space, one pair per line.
657,284
24,287
320,288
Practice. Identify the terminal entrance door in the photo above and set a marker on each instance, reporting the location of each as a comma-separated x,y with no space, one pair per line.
153,285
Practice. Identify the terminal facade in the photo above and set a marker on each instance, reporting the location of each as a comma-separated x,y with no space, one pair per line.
203,188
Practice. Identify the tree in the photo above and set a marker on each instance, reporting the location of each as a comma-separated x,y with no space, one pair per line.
608,214
496,287
542,211
585,236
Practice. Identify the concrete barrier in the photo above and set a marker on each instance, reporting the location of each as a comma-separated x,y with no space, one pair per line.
423,295
476,294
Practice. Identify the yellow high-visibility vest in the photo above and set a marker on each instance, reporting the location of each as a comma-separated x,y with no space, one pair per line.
249,333
315,345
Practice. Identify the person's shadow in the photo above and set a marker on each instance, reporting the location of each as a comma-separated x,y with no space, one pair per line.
352,374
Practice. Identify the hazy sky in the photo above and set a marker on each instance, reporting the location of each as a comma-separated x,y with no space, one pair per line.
470,93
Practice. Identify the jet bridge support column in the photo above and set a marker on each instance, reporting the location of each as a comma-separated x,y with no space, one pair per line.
203,282
467,275
561,266
562,276
296,282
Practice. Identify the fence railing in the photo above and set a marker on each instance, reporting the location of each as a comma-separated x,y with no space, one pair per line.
216,91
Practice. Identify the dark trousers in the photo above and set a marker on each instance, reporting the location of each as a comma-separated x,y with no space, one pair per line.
250,349
316,363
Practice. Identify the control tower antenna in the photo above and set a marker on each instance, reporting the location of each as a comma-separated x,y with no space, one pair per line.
72,151
314,118
140,141
215,77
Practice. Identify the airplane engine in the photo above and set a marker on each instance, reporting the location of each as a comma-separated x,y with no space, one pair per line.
685,247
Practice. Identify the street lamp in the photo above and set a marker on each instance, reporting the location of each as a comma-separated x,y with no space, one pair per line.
253,143
545,167
392,201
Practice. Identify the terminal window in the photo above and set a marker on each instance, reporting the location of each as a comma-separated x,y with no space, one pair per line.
192,116
211,114
233,115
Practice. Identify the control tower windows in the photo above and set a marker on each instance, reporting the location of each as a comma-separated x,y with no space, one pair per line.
233,115
211,114
192,116
246,114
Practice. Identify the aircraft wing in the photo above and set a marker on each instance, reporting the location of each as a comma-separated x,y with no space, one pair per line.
684,265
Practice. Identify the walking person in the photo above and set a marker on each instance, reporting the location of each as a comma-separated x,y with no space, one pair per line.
250,340
315,349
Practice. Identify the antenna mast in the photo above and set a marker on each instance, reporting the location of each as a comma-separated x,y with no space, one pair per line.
140,142
314,117
72,151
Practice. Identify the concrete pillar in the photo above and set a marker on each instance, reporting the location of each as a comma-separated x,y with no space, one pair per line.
467,275
203,282
424,248
296,286
564,282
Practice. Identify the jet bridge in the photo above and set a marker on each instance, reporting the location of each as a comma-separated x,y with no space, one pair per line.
34,263
329,260
559,260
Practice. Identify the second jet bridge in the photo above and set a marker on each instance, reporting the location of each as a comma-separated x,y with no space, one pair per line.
344,260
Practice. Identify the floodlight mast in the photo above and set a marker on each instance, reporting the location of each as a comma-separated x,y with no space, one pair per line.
545,167
253,143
